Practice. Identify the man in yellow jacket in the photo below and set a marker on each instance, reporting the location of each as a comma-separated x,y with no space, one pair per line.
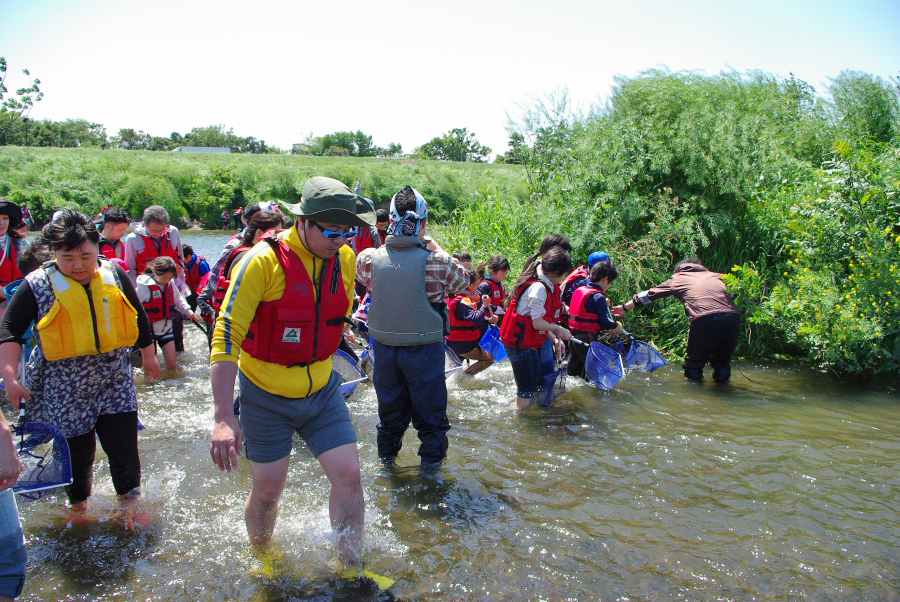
281,320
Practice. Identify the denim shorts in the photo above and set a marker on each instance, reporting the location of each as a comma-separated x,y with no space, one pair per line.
268,421
526,367
12,547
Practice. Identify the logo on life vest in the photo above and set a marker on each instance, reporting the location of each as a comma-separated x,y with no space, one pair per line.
291,335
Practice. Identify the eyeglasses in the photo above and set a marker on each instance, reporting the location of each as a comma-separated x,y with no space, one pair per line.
333,234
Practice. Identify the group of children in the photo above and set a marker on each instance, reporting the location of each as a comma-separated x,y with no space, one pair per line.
551,304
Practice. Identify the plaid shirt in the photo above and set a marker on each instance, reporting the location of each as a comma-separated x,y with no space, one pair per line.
444,275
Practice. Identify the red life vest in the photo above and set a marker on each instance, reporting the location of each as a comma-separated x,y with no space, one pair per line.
222,281
579,317
460,330
192,274
8,269
579,272
498,294
518,331
159,306
149,252
298,329
109,248
363,240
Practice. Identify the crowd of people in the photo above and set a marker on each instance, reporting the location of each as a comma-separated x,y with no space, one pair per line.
277,305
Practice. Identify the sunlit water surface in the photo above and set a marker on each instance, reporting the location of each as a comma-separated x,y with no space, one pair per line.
782,484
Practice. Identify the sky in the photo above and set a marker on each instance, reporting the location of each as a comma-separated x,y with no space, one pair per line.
406,71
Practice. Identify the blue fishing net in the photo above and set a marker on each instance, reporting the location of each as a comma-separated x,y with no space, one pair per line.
554,386
491,343
643,357
603,366
44,454
349,370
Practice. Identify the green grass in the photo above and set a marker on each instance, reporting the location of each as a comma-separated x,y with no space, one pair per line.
196,187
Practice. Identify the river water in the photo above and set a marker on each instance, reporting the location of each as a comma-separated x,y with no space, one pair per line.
782,484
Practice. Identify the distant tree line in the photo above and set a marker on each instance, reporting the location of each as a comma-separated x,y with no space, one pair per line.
209,136
345,144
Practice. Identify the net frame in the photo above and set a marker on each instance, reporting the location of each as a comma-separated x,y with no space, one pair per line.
643,357
350,371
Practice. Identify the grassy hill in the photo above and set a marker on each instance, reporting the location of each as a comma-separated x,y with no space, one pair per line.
196,187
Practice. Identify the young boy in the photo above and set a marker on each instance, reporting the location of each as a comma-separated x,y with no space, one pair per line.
589,314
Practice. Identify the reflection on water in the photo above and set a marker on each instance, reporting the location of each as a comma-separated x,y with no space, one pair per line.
783,483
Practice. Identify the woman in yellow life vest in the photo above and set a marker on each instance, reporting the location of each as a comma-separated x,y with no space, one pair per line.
79,379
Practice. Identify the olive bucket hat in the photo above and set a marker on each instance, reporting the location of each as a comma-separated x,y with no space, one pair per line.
330,201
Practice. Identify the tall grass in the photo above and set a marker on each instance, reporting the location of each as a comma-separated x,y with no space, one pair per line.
196,187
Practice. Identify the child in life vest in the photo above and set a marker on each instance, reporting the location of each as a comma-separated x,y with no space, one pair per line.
469,317
589,314
491,275
160,297
531,319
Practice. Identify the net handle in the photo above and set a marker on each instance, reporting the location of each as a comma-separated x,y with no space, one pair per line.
22,382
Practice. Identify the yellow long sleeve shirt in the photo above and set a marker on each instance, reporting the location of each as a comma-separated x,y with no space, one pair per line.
258,277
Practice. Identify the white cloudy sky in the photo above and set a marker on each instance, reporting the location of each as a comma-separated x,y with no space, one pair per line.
405,71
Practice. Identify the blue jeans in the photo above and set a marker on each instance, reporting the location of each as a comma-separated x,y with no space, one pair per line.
547,359
410,385
527,370
12,547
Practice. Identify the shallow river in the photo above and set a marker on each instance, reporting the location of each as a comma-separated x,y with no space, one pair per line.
782,484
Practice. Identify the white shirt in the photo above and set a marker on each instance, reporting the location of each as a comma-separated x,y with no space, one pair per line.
532,301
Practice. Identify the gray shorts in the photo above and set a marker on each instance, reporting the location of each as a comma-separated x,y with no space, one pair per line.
268,421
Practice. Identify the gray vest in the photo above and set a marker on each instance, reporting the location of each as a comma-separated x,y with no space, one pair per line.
400,314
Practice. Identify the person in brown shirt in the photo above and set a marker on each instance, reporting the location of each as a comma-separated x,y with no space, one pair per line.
714,319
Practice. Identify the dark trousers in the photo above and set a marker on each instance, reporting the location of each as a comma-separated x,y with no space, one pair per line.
712,338
578,353
410,385
118,437
178,330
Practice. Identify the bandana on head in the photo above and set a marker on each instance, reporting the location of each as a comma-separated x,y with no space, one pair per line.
408,224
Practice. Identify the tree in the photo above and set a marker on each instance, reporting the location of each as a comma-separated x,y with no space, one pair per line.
12,110
518,150
128,139
458,144
865,106
67,134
